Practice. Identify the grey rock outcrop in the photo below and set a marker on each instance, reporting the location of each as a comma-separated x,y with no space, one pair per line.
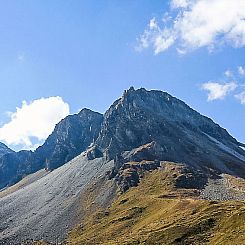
71,136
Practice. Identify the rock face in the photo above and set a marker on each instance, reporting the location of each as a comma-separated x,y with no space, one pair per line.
130,173
152,125
14,166
4,149
70,137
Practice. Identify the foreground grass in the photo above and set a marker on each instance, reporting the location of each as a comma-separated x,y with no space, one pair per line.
156,212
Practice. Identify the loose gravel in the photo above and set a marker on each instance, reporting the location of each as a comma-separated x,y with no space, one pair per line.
221,190
45,209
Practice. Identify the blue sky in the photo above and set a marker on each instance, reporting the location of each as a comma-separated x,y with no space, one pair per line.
87,52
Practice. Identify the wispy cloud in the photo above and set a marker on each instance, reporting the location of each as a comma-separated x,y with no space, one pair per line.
33,121
180,3
195,24
231,82
241,70
241,97
21,57
160,39
228,73
217,91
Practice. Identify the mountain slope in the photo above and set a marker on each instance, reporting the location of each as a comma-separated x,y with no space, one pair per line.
70,137
4,149
151,159
181,134
177,133
46,208
157,212
14,166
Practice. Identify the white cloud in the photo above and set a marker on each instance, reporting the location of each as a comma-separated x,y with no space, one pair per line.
35,120
198,23
241,70
180,3
153,35
217,90
228,73
241,97
153,24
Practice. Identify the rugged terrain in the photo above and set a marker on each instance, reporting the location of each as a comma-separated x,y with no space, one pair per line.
158,211
177,133
70,137
4,149
150,170
45,208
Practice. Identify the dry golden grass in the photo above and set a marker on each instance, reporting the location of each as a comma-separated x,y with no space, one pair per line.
156,212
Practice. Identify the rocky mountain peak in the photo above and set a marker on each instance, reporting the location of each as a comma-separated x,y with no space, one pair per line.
131,89
147,139
140,117
4,149
141,98
88,112
141,125
70,137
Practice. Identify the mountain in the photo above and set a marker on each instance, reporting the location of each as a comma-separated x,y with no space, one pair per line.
182,166
4,149
172,130
70,137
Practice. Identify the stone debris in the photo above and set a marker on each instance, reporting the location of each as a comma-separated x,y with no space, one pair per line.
221,190
35,211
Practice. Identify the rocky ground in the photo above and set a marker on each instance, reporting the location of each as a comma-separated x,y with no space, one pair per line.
222,189
24,182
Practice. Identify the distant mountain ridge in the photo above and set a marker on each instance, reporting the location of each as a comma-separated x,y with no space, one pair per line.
4,149
70,137
171,130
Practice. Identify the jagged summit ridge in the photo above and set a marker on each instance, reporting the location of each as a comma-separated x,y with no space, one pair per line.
138,118
4,149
